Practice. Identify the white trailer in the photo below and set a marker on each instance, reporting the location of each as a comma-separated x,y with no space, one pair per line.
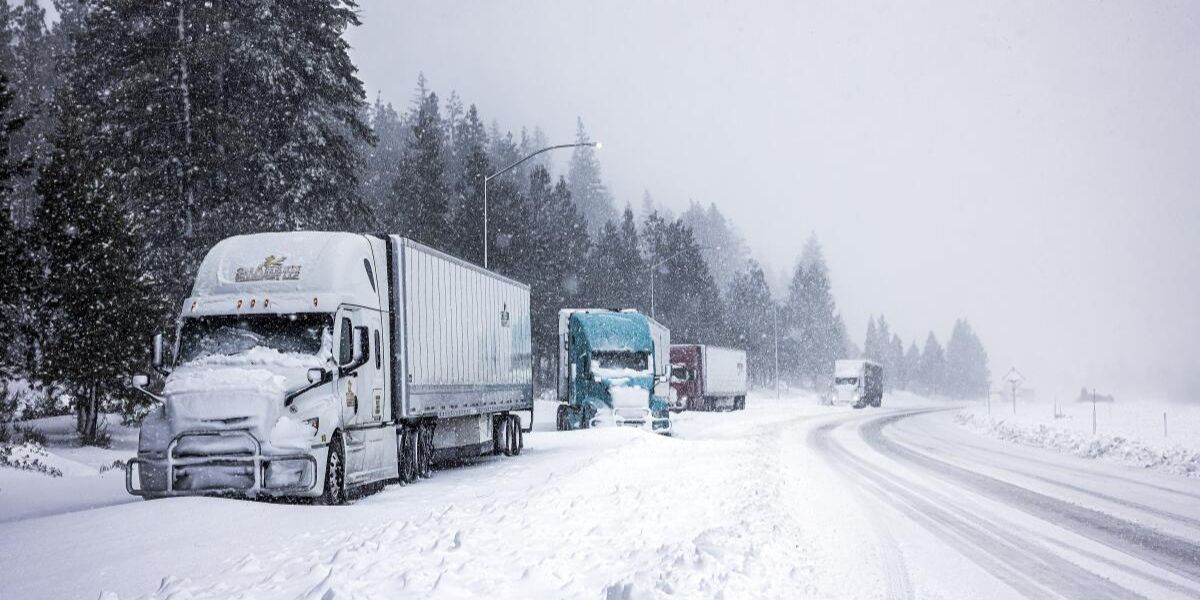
308,363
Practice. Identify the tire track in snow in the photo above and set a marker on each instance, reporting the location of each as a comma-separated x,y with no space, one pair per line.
891,558
986,456
1027,568
1154,547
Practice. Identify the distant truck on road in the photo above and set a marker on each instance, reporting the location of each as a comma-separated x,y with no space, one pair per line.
708,377
310,363
858,383
612,368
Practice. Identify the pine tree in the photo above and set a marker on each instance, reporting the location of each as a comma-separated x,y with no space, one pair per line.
587,188
381,159
932,370
420,204
466,213
814,326
966,364
101,302
14,266
751,314
616,275
548,251
686,298
7,59
33,80
872,349
895,357
912,366
722,246
217,118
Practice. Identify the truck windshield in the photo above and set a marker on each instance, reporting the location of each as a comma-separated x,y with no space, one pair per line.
229,335
635,361
846,381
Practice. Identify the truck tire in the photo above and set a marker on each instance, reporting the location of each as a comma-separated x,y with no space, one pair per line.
560,420
425,457
510,436
500,442
518,438
333,491
409,449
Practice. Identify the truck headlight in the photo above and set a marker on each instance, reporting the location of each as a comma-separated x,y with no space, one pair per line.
315,423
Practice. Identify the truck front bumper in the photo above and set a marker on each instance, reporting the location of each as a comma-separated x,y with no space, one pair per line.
236,466
635,417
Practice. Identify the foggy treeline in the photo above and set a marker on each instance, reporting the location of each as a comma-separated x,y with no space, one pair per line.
139,133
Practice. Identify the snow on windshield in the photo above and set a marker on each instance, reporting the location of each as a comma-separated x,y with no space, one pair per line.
610,365
305,335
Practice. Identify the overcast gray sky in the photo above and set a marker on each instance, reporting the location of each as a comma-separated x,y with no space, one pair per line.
1033,166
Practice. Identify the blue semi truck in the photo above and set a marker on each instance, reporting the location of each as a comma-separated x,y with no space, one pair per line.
613,368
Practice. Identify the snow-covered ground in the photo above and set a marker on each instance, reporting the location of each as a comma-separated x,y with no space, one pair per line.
88,480
1129,433
786,499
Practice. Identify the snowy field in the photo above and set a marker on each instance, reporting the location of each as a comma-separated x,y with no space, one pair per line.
787,499
1128,433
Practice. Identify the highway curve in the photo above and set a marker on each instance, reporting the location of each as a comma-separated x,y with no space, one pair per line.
1030,523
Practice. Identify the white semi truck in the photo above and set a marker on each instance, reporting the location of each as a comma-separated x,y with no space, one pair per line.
308,363
858,383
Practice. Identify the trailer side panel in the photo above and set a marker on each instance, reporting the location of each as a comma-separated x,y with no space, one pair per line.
465,336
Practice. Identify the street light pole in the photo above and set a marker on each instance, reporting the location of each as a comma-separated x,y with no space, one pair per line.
514,165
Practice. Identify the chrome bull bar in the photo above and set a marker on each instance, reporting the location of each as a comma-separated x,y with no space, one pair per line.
634,417
255,462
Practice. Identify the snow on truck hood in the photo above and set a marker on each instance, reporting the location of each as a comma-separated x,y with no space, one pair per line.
243,391
627,396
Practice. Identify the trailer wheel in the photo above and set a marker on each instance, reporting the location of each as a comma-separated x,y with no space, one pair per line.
500,435
425,457
514,435
334,491
510,439
560,419
409,448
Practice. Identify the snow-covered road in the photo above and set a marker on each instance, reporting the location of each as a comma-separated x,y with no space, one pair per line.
785,499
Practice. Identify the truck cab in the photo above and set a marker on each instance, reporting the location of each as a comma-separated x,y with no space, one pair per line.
279,346
609,370
858,383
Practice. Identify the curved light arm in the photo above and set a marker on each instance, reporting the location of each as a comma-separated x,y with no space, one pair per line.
547,149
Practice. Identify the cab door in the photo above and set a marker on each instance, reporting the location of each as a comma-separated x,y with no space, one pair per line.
370,450
352,377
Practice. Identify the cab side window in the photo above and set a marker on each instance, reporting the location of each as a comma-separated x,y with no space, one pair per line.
346,343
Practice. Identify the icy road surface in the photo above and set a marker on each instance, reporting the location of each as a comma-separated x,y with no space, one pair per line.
786,499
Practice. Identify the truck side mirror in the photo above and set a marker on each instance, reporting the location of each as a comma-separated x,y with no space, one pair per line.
316,375
139,381
157,351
